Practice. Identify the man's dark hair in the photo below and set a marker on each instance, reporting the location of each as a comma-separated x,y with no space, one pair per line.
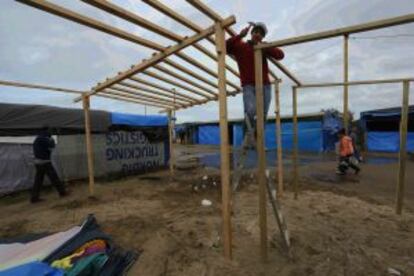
259,29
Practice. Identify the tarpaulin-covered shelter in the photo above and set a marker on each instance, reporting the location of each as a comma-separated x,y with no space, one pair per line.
124,144
382,126
317,132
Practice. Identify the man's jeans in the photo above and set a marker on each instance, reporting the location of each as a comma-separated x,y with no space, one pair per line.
249,100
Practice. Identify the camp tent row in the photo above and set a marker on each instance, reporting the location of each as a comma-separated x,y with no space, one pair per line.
127,86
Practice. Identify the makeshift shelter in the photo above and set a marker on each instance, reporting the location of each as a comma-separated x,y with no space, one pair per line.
124,144
381,129
317,132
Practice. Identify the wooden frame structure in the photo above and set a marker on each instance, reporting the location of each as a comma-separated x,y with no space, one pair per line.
345,32
198,88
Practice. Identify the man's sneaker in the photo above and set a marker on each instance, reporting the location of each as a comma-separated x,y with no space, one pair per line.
340,173
357,171
65,193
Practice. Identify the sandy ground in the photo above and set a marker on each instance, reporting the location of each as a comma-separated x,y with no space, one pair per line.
339,226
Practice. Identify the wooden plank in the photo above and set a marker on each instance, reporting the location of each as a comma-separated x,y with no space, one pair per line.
403,148
162,88
136,97
295,141
103,94
190,72
159,57
90,22
142,22
171,142
351,83
224,143
216,17
184,79
177,84
373,25
157,92
345,95
261,154
89,146
42,87
279,141
147,97
184,21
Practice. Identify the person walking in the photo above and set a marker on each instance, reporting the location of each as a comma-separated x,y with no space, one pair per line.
346,151
42,150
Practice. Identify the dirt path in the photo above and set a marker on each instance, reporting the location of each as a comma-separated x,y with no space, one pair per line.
333,232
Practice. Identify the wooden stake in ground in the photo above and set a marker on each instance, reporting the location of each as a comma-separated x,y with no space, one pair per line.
278,141
261,154
89,147
295,141
224,142
403,147
171,142
346,63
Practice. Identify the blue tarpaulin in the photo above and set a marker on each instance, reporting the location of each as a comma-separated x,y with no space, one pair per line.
33,268
388,141
138,120
310,136
209,135
382,129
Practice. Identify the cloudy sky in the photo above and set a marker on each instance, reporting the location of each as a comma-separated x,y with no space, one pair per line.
37,47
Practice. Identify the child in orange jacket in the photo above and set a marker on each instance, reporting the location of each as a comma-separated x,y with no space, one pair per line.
346,151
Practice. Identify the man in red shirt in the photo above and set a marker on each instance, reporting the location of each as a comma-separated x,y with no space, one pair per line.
346,152
244,55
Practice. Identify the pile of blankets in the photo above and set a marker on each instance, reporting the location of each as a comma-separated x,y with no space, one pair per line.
81,250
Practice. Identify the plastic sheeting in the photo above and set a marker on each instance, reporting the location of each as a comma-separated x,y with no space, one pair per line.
31,269
209,135
138,120
309,136
19,119
388,141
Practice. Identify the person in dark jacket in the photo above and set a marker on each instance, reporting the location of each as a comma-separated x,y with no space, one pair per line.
42,149
244,55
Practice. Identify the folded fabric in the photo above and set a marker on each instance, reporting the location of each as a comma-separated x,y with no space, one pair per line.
15,254
89,248
88,266
31,269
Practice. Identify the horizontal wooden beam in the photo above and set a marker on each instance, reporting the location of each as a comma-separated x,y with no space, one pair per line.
144,96
155,92
162,88
159,57
103,94
182,78
370,26
42,87
116,92
142,22
185,22
90,22
177,84
183,69
216,17
350,83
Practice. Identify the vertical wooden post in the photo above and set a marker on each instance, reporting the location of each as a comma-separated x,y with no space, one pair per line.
89,147
261,154
403,147
224,142
346,79
171,142
295,141
278,140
